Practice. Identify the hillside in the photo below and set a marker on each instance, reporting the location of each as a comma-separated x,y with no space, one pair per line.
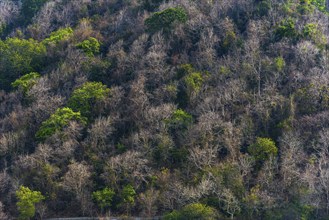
187,109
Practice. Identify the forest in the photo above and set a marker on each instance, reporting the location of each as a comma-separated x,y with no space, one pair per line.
185,109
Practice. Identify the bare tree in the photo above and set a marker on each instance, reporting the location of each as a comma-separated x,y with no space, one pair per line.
148,201
3,215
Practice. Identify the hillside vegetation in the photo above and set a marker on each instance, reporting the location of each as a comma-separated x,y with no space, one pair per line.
187,109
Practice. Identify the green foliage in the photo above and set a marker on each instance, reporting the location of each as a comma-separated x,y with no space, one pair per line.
180,119
286,28
184,70
195,211
59,35
191,83
320,4
26,201
229,39
166,19
19,56
58,121
229,176
26,82
104,197
312,32
305,7
128,195
279,64
85,98
263,149
90,46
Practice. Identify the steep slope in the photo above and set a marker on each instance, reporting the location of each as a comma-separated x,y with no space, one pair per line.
183,109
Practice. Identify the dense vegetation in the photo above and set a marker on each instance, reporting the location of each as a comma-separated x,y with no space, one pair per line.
183,109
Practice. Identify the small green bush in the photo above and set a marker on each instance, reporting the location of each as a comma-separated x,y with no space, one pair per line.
279,64
166,19
90,46
263,149
58,121
179,119
195,211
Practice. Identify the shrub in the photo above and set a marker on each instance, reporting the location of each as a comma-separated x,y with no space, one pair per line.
279,64
263,149
58,121
166,19
85,98
196,211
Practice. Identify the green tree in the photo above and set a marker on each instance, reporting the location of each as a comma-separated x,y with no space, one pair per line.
166,19
179,119
104,197
58,121
90,46
128,196
59,35
85,98
195,211
18,57
26,201
190,85
26,82
263,148
286,28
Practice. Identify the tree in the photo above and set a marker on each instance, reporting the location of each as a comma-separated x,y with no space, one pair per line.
59,35
26,201
18,57
58,121
26,82
3,215
166,19
90,46
85,98
263,149
104,197
128,195
179,119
